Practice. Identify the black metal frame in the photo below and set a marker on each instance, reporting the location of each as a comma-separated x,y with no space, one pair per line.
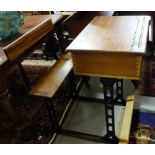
109,109
109,102
56,128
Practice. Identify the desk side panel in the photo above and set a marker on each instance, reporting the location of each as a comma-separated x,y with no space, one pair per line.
112,65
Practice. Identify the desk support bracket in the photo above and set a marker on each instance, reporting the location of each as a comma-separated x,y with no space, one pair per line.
109,109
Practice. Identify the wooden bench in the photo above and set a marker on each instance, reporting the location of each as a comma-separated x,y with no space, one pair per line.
127,119
48,85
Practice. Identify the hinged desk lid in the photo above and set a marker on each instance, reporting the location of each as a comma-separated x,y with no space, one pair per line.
113,34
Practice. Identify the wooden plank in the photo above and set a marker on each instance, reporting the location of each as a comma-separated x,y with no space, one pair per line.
52,80
111,65
31,22
112,34
127,119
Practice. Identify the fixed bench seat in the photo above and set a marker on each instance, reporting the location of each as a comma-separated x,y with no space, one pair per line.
48,85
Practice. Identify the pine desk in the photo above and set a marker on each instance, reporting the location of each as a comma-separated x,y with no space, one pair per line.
111,47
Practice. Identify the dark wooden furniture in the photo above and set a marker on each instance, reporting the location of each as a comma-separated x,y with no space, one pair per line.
15,49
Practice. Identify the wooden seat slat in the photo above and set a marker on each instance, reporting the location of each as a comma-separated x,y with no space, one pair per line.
52,80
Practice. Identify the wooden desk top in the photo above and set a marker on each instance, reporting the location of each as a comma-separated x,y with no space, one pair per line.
34,28
113,34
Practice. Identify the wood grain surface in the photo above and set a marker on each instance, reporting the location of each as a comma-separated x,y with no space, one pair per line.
51,81
113,34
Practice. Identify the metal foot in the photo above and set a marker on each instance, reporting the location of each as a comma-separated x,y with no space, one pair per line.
109,109
110,138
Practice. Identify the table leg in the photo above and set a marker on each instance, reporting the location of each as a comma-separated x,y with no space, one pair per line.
109,109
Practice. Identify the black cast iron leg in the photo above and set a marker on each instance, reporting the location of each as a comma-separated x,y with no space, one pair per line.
72,82
109,110
119,99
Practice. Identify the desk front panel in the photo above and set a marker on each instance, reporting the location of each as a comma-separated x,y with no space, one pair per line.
112,65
